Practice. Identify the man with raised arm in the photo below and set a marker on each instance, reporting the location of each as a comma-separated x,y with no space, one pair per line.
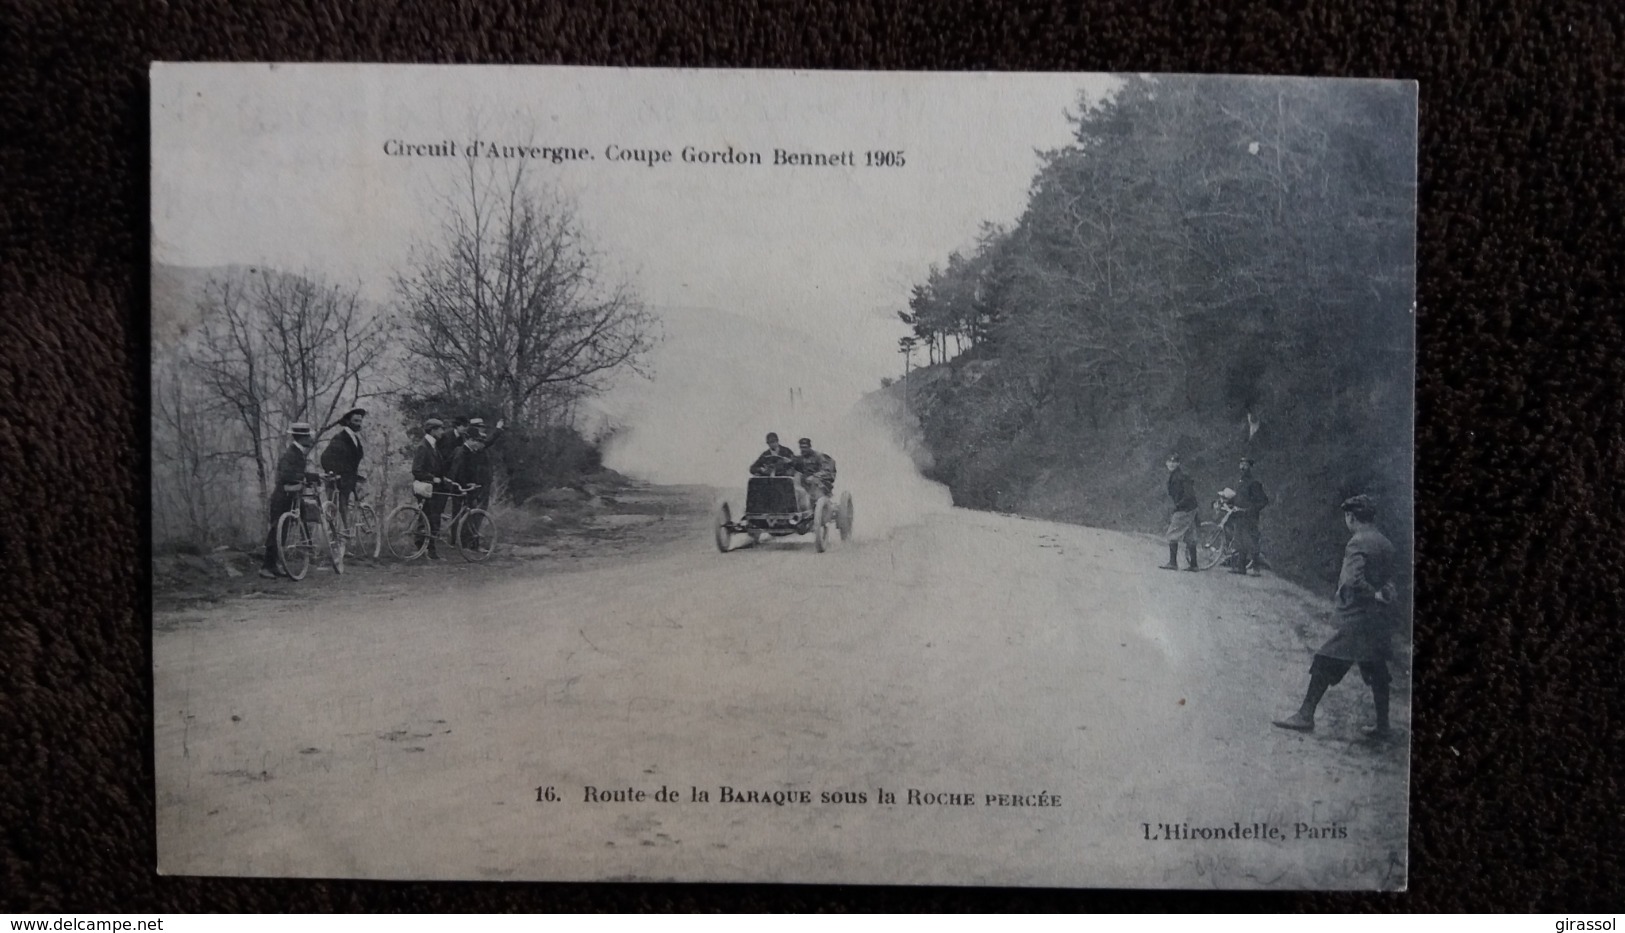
488,436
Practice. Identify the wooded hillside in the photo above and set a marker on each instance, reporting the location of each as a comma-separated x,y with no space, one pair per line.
1216,267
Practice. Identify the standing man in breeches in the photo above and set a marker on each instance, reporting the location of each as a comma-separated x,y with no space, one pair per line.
1182,523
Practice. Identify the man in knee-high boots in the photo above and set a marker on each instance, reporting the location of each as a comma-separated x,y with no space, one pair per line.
1182,523
1365,621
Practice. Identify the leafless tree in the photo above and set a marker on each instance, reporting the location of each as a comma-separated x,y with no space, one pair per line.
274,348
509,304
194,468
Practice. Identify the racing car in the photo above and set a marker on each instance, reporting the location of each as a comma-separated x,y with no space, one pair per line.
774,509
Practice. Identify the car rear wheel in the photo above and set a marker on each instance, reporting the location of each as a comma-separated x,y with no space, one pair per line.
821,524
843,518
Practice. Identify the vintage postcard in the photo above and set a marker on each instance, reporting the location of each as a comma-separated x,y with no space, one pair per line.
768,476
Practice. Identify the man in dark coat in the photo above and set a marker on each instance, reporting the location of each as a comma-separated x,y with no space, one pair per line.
428,477
1365,621
342,455
776,460
291,468
1182,523
1250,500
471,466
454,439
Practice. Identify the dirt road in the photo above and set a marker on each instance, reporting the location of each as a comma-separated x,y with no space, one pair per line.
401,721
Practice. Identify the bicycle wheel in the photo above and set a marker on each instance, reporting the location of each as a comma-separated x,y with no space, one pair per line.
407,532
331,516
1213,545
369,541
476,535
335,539
293,546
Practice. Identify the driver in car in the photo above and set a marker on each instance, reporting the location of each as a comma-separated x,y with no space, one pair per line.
817,470
776,460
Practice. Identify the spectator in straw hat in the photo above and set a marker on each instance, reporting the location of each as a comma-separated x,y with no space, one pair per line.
291,468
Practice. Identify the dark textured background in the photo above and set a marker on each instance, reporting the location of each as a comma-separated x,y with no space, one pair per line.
1519,722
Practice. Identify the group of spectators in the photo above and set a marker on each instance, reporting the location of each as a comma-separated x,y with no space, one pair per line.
454,461
449,461
1363,612
1244,502
341,458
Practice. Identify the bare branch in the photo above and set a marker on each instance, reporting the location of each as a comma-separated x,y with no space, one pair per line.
508,304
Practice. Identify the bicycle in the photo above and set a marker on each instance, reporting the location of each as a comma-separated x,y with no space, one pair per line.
472,530
298,528
1216,541
365,534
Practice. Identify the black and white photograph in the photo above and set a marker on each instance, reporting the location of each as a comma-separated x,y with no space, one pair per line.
876,478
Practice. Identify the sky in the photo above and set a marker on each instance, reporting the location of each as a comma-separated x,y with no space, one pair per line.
285,166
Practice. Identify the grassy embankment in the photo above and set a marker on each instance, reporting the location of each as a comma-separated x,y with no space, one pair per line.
1107,471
